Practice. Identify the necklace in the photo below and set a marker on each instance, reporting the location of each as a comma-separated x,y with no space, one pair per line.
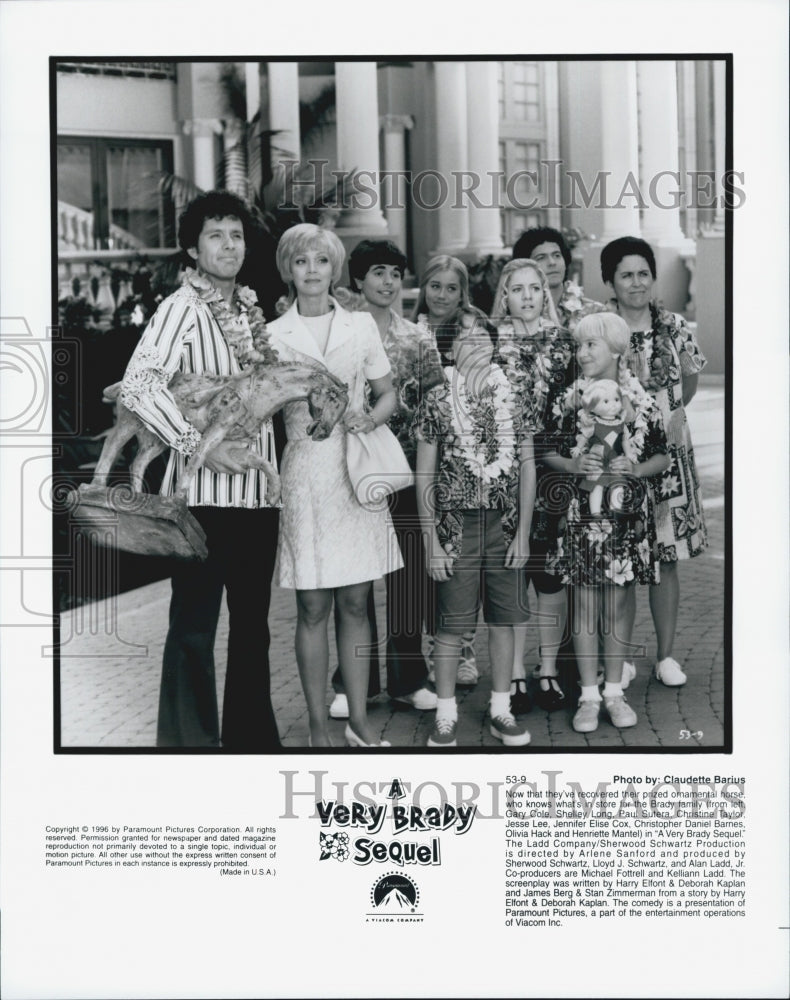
241,321
653,357
571,299
479,419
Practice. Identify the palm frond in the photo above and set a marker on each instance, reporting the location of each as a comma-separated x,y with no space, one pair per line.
317,115
179,189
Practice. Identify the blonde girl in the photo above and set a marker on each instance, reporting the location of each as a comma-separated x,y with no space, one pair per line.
602,555
538,356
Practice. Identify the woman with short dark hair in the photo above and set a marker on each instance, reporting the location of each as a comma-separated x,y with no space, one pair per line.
376,269
665,357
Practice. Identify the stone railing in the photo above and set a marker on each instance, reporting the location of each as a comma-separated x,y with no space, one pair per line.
103,278
154,70
75,231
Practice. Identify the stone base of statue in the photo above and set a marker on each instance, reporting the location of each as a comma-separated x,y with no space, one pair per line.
138,522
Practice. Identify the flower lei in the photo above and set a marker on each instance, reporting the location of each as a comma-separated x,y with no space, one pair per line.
535,347
636,423
469,445
656,355
243,329
571,299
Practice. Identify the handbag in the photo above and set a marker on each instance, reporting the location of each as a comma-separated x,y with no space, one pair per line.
377,466
376,463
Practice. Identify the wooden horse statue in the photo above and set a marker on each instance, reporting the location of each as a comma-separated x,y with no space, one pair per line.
223,408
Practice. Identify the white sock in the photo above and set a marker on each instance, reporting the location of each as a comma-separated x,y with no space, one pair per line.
591,693
500,703
447,708
612,689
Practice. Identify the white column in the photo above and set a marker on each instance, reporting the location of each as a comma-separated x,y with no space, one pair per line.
203,132
719,136
552,109
620,147
483,158
252,80
706,159
451,153
356,88
394,190
283,80
659,157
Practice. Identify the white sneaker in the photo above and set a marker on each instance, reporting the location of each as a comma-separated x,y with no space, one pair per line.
422,699
620,712
629,672
669,672
339,707
586,718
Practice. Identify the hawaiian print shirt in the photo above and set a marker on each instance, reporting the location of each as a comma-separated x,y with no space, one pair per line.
661,356
416,368
541,368
459,487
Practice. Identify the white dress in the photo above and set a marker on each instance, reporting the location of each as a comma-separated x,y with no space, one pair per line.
327,539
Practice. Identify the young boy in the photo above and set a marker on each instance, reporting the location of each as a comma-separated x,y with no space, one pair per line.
475,493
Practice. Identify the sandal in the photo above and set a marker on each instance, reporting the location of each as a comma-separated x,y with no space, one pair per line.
520,701
551,697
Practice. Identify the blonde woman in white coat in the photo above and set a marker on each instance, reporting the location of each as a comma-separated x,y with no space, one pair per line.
330,547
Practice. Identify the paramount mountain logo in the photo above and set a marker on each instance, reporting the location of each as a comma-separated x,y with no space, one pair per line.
394,898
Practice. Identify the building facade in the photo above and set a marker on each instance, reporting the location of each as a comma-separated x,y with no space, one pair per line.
443,156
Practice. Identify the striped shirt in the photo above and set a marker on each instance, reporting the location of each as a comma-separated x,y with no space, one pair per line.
183,336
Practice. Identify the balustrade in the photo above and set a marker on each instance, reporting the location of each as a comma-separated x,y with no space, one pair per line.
103,278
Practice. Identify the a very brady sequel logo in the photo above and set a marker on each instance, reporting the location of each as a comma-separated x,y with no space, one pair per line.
406,821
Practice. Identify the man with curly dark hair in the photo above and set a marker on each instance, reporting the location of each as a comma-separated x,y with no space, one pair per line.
208,327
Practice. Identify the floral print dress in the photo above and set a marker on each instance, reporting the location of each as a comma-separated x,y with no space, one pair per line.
540,368
659,358
618,545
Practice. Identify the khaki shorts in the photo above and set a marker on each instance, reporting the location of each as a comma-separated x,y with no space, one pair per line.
480,578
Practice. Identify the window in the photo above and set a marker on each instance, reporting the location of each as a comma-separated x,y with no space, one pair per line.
520,92
108,194
523,143
514,224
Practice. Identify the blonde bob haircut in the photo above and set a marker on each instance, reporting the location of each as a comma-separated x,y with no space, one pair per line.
307,236
606,326
443,263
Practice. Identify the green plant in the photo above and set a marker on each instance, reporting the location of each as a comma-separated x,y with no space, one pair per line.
483,279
